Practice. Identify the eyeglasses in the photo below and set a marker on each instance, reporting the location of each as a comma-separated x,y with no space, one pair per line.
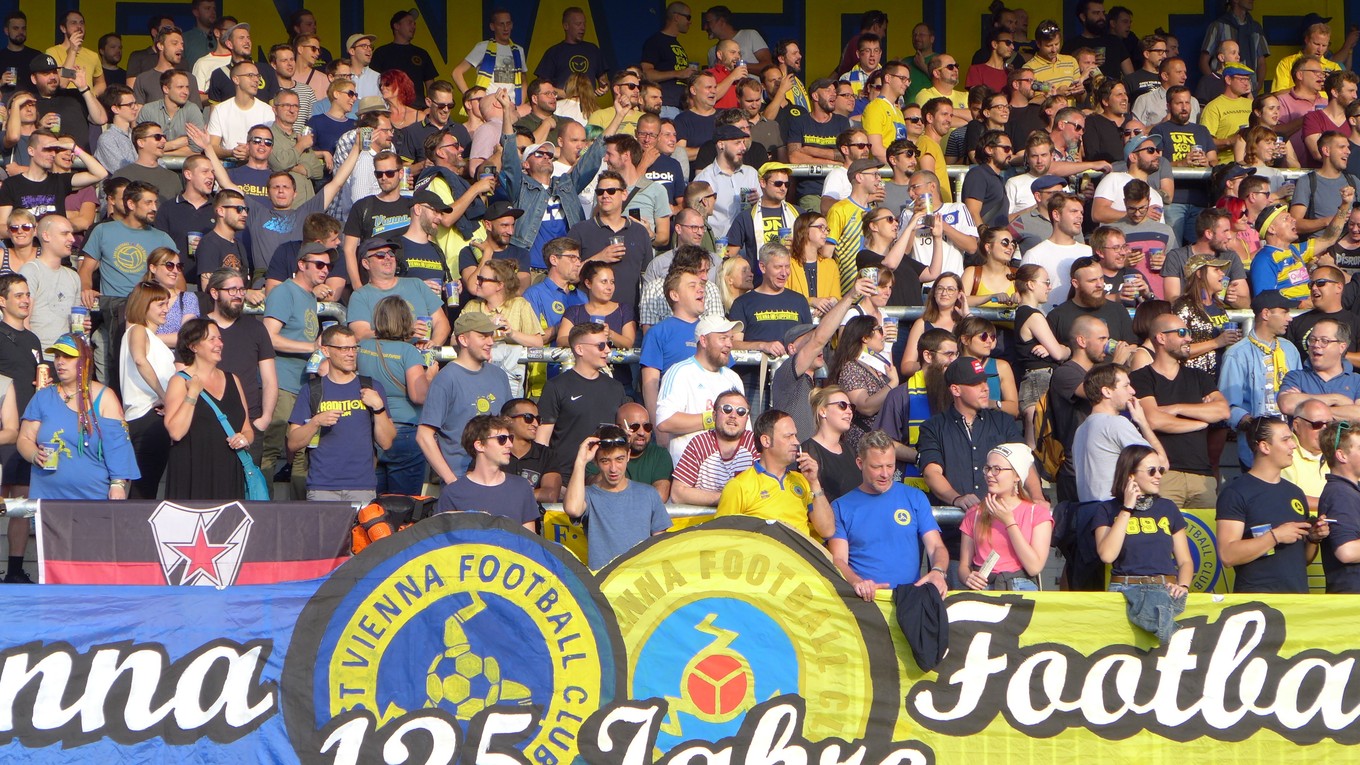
1321,342
14,227
249,75
1178,332
943,289
1137,209
503,439
1155,50
344,348
126,105
237,208
261,139
608,192
995,469
318,264
386,173
172,265
841,405
633,427
529,417
821,226
232,290
728,409
1154,470
601,346
487,279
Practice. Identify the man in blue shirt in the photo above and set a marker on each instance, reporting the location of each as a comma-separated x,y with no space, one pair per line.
671,340
1326,379
557,292
879,524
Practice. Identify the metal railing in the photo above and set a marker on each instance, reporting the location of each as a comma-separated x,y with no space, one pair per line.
944,514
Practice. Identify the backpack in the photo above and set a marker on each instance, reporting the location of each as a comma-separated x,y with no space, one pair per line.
1049,452
387,515
315,394
1313,189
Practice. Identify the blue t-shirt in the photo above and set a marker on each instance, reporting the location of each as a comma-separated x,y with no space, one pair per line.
390,370
417,294
513,499
122,252
252,181
423,261
1147,549
617,521
296,308
327,130
551,301
554,224
882,531
83,468
456,396
667,172
1308,381
343,459
669,342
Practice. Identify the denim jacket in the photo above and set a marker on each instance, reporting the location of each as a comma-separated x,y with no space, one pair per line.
1242,379
533,197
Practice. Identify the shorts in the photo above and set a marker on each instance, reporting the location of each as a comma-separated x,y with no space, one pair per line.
14,469
1034,387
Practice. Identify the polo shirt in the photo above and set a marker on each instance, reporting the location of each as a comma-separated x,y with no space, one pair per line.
960,451
550,301
758,493
883,532
982,182
1310,382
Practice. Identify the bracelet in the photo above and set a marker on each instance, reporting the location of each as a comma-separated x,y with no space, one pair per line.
1272,536
1012,524
937,568
86,90
191,400
377,412
709,424
818,493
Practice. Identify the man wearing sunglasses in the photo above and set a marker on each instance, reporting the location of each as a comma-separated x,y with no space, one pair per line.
528,458
219,247
379,258
1253,368
1309,470
334,121
713,458
944,80
386,214
148,140
252,176
1325,288
620,512
1143,154
1281,263
648,462
487,487
575,402
984,193
1182,403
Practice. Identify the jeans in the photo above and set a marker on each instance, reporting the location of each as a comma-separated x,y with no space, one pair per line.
1182,220
401,469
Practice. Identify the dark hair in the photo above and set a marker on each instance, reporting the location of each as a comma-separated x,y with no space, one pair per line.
510,405
1260,430
614,434
590,270
767,420
851,344
1137,190
932,312
1146,316
1126,466
478,428
191,333
1101,376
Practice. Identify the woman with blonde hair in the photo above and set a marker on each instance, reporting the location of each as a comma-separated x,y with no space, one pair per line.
836,466
20,247
734,280
582,99
144,370
946,305
496,287
1007,523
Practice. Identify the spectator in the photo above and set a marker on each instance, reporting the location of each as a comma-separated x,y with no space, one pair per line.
247,352
464,387
1326,293
73,431
385,214
734,281
439,103
16,54
1298,102
1057,71
944,79
218,56
167,55
669,340
1316,191
1095,33
993,71
200,39
599,306
1146,77
1089,341
946,305
1225,115
146,367
219,248
225,82
1123,283
1237,25
1116,421
883,120
1151,107
770,309
498,61
1309,470
1140,534
74,57
727,71
621,512
148,141
292,147
647,462
1211,84
812,138
1262,522
835,458
374,127
400,54
528,458
1340,506
852,145
610,237
487,487
1149,241
115,142
572,55
977,340
1317,38
986,528
663,56
360,47
1213,240
576,401
783,485
1088,298
1325,378
54,288
1205,314
845,219
1181,403
1143,156
380,260
734,183
1031,226
712,459
770,220
872,552
793,382
389,358
40,190
334,121
1253,369
939,120
1281,263
557,292
1058,253
984,193
871,22
696,125
231,119
908,406
869,52
688,388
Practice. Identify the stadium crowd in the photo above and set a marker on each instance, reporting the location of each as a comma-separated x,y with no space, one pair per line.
227,268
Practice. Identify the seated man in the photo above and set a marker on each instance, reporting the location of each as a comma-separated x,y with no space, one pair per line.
871,545
713,458
621,513
1325,378
783,484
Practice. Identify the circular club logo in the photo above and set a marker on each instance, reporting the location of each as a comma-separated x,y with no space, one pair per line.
1203,554
735,612
460,613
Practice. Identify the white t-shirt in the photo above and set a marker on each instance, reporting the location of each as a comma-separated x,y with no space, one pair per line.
836,184
233,123
751,43
1018,195
1111,187
1057,260
957,216
138,396
688,388
204,68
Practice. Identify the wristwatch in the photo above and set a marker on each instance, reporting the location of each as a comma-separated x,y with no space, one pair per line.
377,412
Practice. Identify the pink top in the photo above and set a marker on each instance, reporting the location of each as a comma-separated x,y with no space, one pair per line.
1027,515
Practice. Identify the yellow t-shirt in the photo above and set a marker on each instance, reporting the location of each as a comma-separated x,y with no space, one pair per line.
518,312
602,117
1224,116
884,120
927,145
845,228
85,59
1060,72
1285,81
759,494
959,98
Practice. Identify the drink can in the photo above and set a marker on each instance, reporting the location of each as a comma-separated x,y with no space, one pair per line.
1111,345
305,131
79,314
452,289
869,273
429,326
786,237
56,124
44,376
52,457
429,358
314,362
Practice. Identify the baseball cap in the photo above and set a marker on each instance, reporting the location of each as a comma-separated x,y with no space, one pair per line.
356,37
430,199
399,15
710,324
313,248
545,146
474,321
1196,262
1237,70
965,371
1135,143
226,32
818,84
792,334
43,63
1236,171
501,208
1046,182
1269,299
375,243
864,165
66,345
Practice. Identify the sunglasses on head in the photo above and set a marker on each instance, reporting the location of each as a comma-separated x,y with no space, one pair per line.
603,442
728,409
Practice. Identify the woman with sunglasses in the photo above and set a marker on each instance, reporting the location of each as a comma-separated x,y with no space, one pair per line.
1265,113
977,339
1205,313
598,280
1245,241
1140,534
861,369
837,468
1037,350
886,242
165,267
21,248
391,359
1007,523
145,368
815,274
946,305
994,114
992,284
496,291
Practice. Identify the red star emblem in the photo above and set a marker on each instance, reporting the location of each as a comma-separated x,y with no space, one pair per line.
201,555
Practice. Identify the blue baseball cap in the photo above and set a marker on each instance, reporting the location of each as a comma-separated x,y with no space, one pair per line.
1046,182
1237,70
1136,142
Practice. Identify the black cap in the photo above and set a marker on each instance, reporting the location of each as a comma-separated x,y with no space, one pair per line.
501,208
729,133
1269,299
924,621
43,63
376,243
430,199
965,371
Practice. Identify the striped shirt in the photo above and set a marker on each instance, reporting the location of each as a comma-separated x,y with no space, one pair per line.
845,229
703,467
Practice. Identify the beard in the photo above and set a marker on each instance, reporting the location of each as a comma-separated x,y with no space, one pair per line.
1097,28
230,309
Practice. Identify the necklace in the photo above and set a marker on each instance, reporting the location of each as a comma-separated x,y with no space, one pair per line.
65,397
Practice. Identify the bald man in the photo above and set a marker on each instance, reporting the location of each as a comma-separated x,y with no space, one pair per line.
647,462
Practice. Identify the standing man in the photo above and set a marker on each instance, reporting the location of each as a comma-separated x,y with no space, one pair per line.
769,221
1181,403
944,77
20,355
54,289
1062,248
498,63
199,41
75,59
340,421
148,141
612,238
1224,116
770,310
573,55
845,219
231,120
1068,406
360,47
1316,192
647,202
664,59
557,292
1213,239
1253,369
1237,26
189,216
1143,156
402,55
16,55
218,248
717,22
1151,107
488,487
386,214
783,484
810,138
465,387
622,513
1111,55
575,402
1187,144
246,351
146,86
1147,77
882,118
115,143
1116,420
380,260
672,339
173,110
225,82
984,193
74,109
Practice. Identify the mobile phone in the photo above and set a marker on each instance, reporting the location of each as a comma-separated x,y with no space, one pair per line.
635,213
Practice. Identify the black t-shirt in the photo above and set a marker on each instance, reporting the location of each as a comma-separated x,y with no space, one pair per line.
221,88
1068,409
1346,259
1024,121
666,54
1110,52
1262,506
186,225
801,128
983,183
75,117
768,317
471,256
1102,141
38,197
906,288
244,345
1340,501
18,61
837,473
576,407
372,216
564,59
1187,452
214,252
695,129
531,466
667,172
20,353
1302,326
1115,316
1139,82
411,59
